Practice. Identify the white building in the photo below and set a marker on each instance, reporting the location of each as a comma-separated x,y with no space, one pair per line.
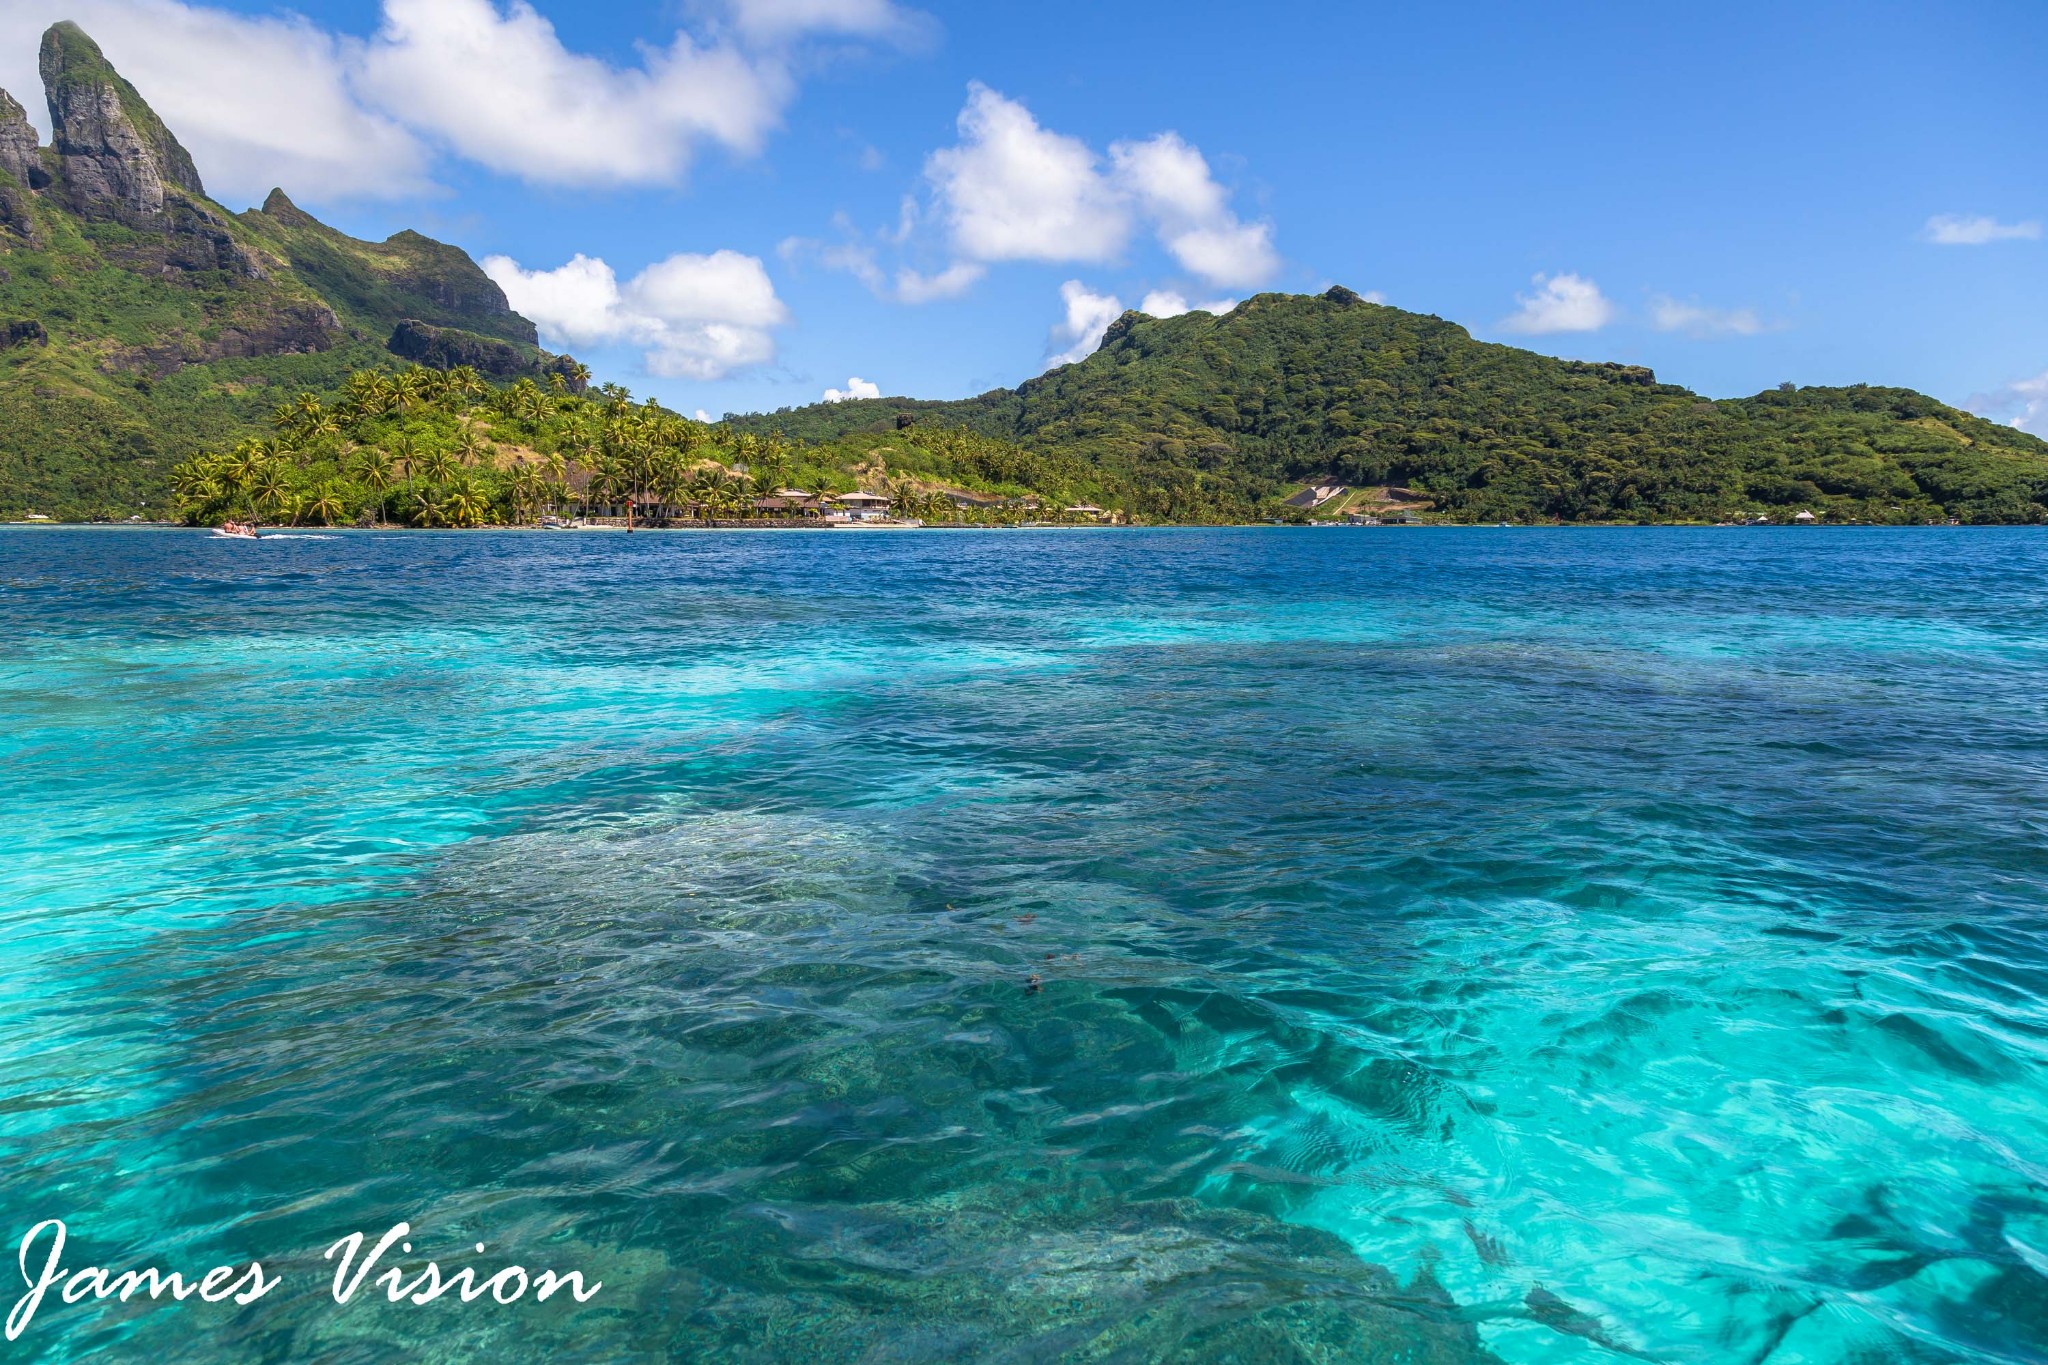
863,506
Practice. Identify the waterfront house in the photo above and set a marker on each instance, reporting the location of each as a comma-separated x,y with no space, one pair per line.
863,506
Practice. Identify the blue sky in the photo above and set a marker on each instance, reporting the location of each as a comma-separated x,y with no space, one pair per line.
1736,194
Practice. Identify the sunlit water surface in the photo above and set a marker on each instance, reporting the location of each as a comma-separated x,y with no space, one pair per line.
1541,946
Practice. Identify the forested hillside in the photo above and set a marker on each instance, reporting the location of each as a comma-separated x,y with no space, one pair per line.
141,321
1201,416
141,324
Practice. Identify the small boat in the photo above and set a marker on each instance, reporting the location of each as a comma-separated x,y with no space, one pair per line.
235,530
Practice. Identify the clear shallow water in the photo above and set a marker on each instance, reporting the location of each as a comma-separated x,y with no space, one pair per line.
1558,945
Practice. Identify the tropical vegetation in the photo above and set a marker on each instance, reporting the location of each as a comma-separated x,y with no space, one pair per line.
255,364
431,448
1203,417
134,335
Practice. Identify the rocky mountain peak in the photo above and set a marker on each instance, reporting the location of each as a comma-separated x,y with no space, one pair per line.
116,155
279,206
18,143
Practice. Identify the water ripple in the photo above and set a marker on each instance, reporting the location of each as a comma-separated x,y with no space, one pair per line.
1521,946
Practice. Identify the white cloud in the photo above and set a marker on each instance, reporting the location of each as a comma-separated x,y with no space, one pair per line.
1239,254
2023,404
1012,191
858,259
953,281
278,100
1561,303
704,416
1166,303
1171,181
698,317
257,101
856,387
782,20
855,258
502,90
1088,317
1954,229
1669,315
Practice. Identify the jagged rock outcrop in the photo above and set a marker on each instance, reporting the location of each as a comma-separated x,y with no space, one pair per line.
117,271
447,275
279,206
289,329
15,218
433,282
22,332
447,348
18,143
116,156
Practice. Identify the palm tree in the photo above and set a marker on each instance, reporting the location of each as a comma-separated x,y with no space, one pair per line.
608,483
527,489
370,393
326,505
373,469
405,451
469,440
584,445
438,465
466,382
733,495
425,510
196,484
670,483
702,488
410,389
525,401
466,505
245,466
270,489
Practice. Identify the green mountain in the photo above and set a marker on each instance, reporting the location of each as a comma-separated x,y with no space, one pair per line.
1198,417
141,321
142,324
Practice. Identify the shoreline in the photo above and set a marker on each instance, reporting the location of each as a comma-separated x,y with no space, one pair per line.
282,532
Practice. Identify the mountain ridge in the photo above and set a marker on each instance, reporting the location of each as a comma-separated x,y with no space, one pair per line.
141,320
1230,411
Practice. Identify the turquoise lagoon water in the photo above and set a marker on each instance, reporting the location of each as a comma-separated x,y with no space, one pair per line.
1533,946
